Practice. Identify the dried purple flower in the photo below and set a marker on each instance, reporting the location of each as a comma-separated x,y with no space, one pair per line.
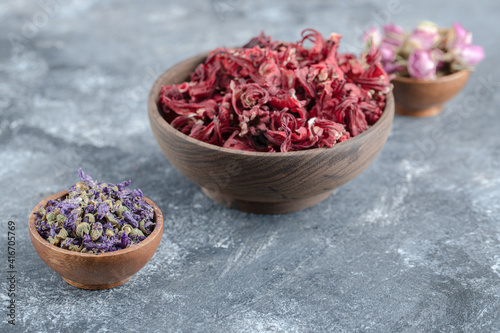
127,216
96,217
125,241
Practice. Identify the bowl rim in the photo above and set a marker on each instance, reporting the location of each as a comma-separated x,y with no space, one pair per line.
154,112
157,231
442,79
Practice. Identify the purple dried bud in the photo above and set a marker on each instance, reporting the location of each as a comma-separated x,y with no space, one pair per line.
106,190
91,208
52,231
83,176
108,226
67,208
87,242
65,244
127,216
70,223
102,210
123,185
124,241
136,193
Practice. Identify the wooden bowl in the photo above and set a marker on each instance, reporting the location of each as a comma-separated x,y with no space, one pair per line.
261,182
96,271
424,98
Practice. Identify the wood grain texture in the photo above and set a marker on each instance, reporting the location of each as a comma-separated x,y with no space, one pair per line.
96,271
259,182
423,98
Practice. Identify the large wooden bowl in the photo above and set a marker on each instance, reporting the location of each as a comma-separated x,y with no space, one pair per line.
424,98
259,182
96,271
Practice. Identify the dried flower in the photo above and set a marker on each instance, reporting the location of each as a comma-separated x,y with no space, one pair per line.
372,36
92,216
467,56
457,35
387,52
393,35
413,54
422,65
275,96
424,37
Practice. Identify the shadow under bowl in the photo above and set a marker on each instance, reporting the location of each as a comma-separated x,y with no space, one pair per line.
424,98
96,271
261,182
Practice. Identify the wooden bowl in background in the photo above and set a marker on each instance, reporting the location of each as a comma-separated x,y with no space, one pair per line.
423,98
96,271
261,182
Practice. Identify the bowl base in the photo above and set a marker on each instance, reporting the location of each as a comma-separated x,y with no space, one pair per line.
96,286
432,111
256,207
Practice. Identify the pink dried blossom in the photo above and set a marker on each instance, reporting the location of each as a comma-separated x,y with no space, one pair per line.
469,55
393,34
457,35
422,65
372,36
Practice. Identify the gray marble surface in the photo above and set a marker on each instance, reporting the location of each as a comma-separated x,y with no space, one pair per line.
410,245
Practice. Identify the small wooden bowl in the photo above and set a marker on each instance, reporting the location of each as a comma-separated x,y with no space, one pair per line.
260,182
424,98
96,271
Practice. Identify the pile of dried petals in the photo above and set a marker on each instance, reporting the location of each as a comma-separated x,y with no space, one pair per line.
96,217
274,96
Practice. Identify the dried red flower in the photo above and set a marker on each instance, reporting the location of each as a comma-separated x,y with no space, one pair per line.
275,96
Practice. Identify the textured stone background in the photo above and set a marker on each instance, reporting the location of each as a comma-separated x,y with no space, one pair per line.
411,245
